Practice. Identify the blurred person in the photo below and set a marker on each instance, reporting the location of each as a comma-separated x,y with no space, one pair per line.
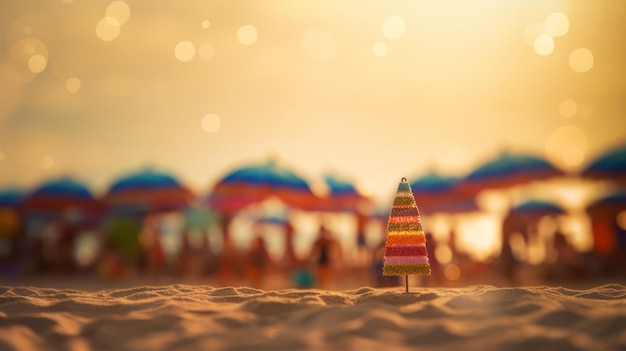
325,254
258,262
378,261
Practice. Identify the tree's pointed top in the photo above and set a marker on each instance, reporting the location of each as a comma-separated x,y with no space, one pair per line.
404,186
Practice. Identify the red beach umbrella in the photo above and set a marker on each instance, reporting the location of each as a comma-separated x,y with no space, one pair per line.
59,195
147,191
253,184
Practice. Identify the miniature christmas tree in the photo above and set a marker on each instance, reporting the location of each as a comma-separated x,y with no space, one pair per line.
405,248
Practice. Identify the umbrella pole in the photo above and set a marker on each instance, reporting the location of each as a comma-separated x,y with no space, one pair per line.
406,282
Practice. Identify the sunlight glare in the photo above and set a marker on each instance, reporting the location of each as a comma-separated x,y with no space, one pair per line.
479,236
577,229
108,29
567,108
37,63
118,10
581,60
544,45
73,85
184,51
380,48
393,27
318,45
557,24
517,243
211,123
247,35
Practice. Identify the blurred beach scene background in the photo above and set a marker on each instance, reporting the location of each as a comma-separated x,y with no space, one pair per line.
253,144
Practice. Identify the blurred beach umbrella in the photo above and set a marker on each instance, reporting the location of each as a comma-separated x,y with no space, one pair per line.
60,195
342,196
255,183
608,222
10,200
435,193
611,166
147,191
537,208
508,170
11,197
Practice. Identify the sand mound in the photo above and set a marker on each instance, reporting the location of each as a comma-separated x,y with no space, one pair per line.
181,317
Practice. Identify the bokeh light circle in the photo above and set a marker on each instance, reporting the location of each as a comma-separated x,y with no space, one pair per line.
393,27
567,146
73,85
37,63
184,51
568,108
380,48
211,123
557,24
108,29
118,10
206,24
318,45
544,45
247,35
581,60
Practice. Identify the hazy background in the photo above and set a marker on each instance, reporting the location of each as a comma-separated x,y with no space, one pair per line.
371,90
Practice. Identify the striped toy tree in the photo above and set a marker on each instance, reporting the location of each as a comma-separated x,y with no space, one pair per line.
405,247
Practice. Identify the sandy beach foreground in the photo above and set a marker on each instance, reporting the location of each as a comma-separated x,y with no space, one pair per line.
187,317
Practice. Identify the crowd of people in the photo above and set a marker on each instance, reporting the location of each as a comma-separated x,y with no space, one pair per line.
132,248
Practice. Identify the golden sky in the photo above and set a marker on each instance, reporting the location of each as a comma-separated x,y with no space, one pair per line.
372,90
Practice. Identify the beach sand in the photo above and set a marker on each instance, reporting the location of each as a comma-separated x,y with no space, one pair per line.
188,317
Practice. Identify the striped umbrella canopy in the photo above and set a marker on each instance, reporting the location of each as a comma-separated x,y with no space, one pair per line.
147,191
59,195
508,170
255,183
610,165
11,197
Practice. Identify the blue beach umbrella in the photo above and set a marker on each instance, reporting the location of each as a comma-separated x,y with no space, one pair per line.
537,207
58,195
147,191
610,165
11,197
435,193
254,183
509,170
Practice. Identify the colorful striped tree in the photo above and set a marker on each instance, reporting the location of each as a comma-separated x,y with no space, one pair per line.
405,248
